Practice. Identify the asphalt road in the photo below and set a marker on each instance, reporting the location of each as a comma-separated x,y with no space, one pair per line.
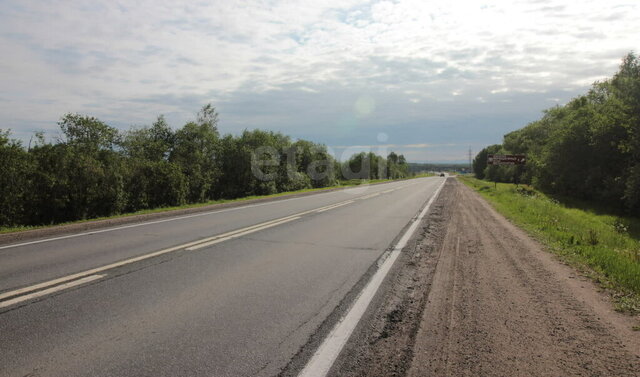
239,305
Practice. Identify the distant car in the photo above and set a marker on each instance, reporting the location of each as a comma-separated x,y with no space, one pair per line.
442,174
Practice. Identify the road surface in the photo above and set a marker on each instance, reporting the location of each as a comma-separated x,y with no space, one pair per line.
233,292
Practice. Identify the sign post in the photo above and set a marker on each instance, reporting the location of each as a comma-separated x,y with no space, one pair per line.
506,159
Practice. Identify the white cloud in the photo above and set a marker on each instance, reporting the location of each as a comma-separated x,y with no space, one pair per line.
304,67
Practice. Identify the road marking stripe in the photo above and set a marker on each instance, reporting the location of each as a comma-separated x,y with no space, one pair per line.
213,212
324,357
335,206
45,292
94,270
139,258
369,196
148,223
235,235
127,261
189,246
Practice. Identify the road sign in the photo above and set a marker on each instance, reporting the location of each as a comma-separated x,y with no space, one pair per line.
506,159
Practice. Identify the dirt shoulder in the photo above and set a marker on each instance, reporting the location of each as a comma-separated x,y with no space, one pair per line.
475,296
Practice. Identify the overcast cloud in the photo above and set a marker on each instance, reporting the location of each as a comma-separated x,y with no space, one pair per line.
426,78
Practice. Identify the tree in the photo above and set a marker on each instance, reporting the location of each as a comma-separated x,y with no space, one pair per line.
397,166
15,181
588,149
91,167
93,170
195,150
87,133
626,87
480,161
153,184
153,143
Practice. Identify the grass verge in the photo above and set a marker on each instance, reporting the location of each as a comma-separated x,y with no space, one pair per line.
344,183
602,246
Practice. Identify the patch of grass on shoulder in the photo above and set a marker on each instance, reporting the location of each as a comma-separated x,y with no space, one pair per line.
602,246
424,175
358,182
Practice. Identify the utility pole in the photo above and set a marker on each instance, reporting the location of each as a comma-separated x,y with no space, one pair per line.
470,160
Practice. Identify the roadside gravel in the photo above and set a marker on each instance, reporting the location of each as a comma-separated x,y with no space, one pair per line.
476,296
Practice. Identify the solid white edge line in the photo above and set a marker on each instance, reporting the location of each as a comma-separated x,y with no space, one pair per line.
45,292
324,357
213,212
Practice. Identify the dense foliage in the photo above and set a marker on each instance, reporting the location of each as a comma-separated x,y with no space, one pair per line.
95,170
588,149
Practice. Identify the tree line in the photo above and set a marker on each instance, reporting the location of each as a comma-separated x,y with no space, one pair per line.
95,170
587,149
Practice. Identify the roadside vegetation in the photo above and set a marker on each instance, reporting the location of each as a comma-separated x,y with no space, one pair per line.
602,245
588,149
94,170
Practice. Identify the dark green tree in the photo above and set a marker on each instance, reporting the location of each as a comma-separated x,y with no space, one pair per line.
195,150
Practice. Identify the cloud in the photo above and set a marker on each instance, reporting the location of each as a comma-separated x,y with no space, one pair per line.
338,72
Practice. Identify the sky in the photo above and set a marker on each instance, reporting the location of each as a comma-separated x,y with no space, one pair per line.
430,79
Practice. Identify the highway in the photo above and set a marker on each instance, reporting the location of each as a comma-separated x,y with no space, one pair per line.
231,292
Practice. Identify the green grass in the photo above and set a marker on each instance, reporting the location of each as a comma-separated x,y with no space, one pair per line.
424,175
342,183
357,182
603,246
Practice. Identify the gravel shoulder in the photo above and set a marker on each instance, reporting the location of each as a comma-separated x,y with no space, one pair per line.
476,296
